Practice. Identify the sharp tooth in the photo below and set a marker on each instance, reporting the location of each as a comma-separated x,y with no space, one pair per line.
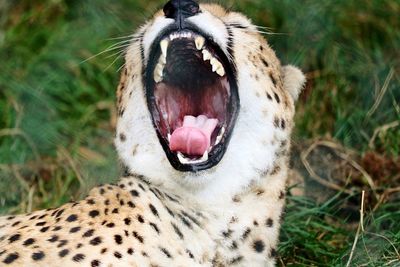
206,55
214,63
199,41
164,47
158,73
221,71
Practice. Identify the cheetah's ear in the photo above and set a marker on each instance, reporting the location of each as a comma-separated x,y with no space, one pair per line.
293,80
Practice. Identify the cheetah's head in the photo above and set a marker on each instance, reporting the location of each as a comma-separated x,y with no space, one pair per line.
204,103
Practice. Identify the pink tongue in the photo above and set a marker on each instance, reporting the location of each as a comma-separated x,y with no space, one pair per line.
193,138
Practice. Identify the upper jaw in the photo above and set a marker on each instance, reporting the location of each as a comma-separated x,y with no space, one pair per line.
160,70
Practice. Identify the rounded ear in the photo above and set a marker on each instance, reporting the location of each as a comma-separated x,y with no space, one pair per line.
293,80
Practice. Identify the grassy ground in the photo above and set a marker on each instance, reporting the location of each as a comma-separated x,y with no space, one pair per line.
57,114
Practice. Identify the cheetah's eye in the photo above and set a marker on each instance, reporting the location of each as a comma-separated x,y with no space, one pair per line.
193,98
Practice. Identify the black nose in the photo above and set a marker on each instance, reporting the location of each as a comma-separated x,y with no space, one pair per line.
181,9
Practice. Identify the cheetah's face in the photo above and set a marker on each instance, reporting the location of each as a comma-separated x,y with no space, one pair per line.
204,102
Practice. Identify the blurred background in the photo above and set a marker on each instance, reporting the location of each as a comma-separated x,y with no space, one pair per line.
59,68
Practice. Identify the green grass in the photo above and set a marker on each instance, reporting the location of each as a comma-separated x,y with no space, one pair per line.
57,112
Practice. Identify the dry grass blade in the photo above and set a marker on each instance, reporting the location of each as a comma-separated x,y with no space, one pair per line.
72,164
359,230
381,94
382,129
304,155
343,155
18,132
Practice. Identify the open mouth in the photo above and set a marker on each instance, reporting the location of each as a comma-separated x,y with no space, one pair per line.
193,98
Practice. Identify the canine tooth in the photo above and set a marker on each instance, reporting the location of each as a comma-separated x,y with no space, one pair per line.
158,73
164,47
157,77
206,55
220,135
199,41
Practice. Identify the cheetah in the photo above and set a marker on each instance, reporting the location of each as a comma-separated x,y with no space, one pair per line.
205,113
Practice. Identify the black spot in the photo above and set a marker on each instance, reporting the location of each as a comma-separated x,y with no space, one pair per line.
265,62
276,122
246,233
94,213
115,211
273,79
40,223
14,238
141,187
72,218
59,213
37,256
118,239
53,239
107,202
117,255
190,254
166,252
227,233
121,202
122,137
134,193
177,231
103,250
185,221
234,245
28,242
170,212
110,225
95,241
131,204
63,253
16,223
138,237
258,246
277,98
57,228
88,233
236,260
44,229
130,251
273,253
269,96
78,257
127,221
62,243
155,227
283,124
281,195
140,218
193,219
255,223
95,263
269,222
9,218
11,258
102,191
75,229
90,202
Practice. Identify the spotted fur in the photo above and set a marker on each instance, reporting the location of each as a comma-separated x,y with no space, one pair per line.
228,215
